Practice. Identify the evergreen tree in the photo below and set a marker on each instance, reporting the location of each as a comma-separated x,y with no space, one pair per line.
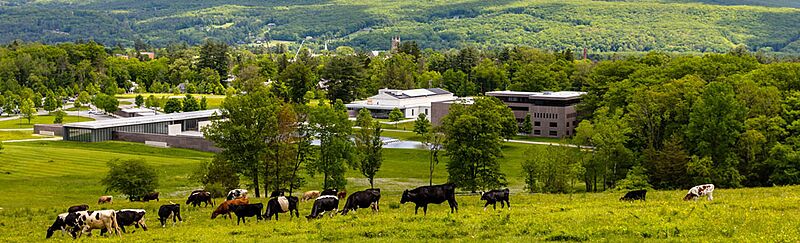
422,125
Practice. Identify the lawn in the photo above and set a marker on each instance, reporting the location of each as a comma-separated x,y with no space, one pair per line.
214,101
83,108
67,173
48,119
539,139
17,135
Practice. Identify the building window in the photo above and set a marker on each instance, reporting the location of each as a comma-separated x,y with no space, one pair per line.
553,124
426,111
412,112
554,133
512,99
567,132
567,124
536,124
537,132
519,108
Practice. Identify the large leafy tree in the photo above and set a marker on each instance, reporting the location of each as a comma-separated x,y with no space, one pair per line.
133,177
214,55
345,77
368,144
299,79
190,103
106,102
333,129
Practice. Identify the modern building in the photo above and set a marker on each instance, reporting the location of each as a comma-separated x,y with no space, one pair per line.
167,124
411,102
553,114
134,112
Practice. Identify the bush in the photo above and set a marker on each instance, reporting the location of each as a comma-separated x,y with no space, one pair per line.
133,177
635,180
218,176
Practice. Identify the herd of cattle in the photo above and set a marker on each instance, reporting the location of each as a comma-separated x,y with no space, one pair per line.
79,220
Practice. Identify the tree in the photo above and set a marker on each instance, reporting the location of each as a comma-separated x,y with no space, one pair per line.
552,169
433,141
489,76
422,125
345,78
474,135
27,110
369,144
106,102
190,104
59,116
173,105
51,103
139,100
399,72
217,176
214,55
83,98
203,103
527,126
299,79
133,177
333,130
12,103
395,116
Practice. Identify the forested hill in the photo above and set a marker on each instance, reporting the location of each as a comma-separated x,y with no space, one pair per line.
600,26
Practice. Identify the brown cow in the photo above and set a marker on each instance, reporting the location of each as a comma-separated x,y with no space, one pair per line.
105,199
310,195
223,207
342,195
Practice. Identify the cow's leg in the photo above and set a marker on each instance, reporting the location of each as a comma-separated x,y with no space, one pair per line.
416,209
179,216
710,196
484,206
144,226
121,227
454,205
508,204
425,210
163,221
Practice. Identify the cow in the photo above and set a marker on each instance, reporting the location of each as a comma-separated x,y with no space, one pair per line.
329,192
342,195
196,198
169,209
86,221
635,195
278,193
59,224
362,199
310,195
236,193
127,217
105,199
324,204
77,208
699,191
493,196
224,207
150,196
437,194
278,205
247,210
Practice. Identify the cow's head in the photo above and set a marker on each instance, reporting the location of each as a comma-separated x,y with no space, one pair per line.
405,198
689,196
485,196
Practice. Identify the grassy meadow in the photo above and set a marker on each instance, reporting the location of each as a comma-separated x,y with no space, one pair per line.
47,119
17,135
214,101
41,179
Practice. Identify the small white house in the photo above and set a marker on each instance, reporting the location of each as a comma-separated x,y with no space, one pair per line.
411,102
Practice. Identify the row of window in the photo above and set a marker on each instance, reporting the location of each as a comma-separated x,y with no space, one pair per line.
545,115
549,133
552,124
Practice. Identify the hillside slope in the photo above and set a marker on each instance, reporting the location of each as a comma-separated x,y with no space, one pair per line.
604,26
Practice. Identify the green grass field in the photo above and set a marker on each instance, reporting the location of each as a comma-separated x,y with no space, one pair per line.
48,119
41,179
17,135
214,101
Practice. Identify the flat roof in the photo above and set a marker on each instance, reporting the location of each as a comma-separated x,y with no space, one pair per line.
545,94
414,93
143,119
137,110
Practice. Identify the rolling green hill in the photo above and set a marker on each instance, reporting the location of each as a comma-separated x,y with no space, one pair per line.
601,26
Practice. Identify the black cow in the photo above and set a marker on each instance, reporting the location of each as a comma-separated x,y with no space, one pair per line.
422,196
274,207
150,196
196,198
59,224
634,195
278,193
362,199
247,210
493,196
169,209
329,192
324,204
128,217
77,208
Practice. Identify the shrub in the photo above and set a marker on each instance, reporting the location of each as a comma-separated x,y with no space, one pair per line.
133,177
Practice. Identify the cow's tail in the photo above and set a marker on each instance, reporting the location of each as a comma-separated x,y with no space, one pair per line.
115,224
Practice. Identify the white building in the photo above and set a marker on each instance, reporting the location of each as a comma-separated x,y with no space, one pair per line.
411,102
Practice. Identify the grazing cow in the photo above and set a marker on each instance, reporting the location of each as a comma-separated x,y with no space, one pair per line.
77,208
236,193
128,217
329,192
247,210
105,199
493,196
324,204
150,196
310,195
278,205
362,199
278,193
635,195
86,221
169,209
422,196
224,207
699,191
342,195
59,224
196,198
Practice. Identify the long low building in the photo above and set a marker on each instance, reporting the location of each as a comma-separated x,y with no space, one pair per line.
411,102
166,124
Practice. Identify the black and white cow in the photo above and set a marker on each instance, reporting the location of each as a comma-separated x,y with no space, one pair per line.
236,193
167,210
128,217
329,192
491,197
86,221
278,205
635,195
247,210
324,204
699,191
362,199
437,194
196,198
59,224
77,208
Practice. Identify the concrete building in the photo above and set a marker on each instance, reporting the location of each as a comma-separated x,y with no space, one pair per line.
411,102
553,114
168,124
134,112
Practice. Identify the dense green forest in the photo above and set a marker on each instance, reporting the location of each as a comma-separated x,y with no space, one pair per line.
599,26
